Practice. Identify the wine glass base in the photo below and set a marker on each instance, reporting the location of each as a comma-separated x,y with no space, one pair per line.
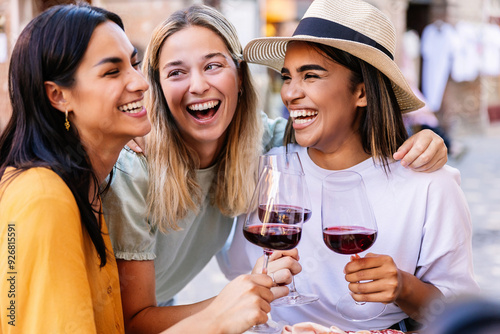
294,300
351,310
269,327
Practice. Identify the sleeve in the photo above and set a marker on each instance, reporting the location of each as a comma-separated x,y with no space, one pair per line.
51,291
274,131
125,209
446,252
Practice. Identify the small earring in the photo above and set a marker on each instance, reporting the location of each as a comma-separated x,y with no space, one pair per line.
241,91
66,123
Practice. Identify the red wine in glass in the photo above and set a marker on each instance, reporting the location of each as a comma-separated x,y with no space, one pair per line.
275,226
349,239
349,227
307,214
289,161
273,236
283,214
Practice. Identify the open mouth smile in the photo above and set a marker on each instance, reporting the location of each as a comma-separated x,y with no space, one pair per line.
203,111
303,116
132,107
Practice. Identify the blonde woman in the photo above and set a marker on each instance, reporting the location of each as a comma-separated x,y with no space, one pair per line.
171,210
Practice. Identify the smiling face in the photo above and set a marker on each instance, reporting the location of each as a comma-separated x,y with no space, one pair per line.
200,82
318,94
106,101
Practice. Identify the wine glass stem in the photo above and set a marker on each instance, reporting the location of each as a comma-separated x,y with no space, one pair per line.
293,291
267,253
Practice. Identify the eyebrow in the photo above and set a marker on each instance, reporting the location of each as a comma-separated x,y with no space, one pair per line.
304,68
207,56
115,60
214,54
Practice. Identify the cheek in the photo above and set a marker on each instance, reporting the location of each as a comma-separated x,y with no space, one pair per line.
173,94
229,85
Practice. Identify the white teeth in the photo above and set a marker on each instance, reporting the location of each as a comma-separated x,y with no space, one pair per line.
302,121
132,107
302,113
203,106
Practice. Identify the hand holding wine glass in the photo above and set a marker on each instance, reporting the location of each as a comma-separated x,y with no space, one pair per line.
274,218
290,161
349,227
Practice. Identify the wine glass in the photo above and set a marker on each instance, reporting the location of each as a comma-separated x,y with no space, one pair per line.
290,162
349,227
274,218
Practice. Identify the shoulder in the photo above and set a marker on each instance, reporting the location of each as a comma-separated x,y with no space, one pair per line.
130,171
442,180
442,175
39,195
38,182
130,161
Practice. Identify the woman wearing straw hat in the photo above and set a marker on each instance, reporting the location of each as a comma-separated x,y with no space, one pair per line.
345,95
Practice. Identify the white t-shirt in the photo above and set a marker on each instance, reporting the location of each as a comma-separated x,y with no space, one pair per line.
424,225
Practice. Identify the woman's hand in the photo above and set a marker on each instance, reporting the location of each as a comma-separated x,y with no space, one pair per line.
244,302
425,151
282,266
384,278
138,144
388,284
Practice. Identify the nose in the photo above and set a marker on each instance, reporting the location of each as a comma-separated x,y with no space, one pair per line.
198,83
137,82
291,91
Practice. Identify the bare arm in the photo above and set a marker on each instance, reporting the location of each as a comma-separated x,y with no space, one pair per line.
141,315
243,303
425,151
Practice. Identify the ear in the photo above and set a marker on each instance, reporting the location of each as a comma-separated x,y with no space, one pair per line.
56,96
360,94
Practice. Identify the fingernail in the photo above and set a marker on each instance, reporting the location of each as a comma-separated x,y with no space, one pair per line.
404,163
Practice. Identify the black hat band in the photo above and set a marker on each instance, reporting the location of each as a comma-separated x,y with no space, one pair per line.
321,28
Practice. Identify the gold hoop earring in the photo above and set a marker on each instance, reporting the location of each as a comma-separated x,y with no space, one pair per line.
66,123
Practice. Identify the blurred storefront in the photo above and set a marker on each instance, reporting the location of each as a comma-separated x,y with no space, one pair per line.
468,103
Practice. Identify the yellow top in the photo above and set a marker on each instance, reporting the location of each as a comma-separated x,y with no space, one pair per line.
50,279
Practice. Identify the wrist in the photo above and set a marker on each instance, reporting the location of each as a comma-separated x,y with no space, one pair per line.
404,289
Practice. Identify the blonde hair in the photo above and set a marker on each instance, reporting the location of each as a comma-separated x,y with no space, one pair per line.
173,188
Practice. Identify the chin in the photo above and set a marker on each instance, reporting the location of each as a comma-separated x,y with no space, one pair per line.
304,142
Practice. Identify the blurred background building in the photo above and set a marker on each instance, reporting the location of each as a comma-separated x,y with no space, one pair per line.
465,101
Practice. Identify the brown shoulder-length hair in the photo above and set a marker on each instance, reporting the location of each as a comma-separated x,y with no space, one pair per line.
173,188
381,124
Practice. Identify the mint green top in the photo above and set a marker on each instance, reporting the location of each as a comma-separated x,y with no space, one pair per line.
179,255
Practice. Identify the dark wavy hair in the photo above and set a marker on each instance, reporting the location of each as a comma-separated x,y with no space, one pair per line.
51,48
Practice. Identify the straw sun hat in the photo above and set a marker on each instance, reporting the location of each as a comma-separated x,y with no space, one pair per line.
353,26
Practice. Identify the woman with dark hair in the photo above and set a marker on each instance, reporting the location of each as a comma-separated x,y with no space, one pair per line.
77,98
346,96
